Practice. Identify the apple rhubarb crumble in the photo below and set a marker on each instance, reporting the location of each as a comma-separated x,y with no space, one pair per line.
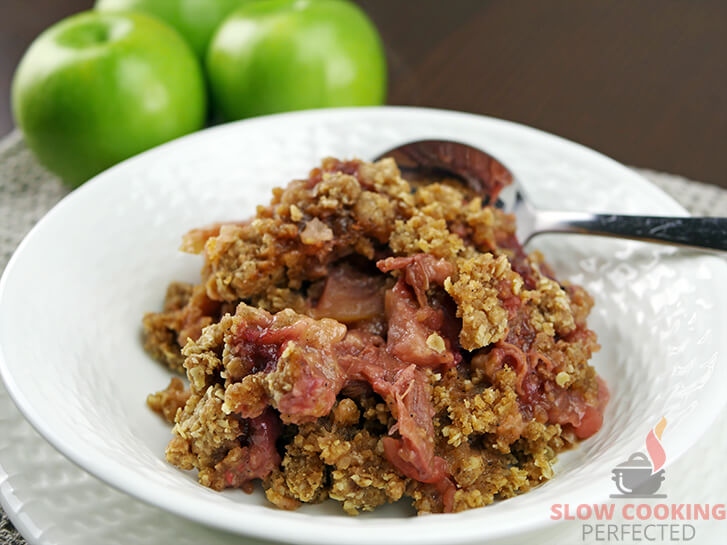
365,338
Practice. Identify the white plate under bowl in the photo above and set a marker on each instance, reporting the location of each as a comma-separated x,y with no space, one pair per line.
73,293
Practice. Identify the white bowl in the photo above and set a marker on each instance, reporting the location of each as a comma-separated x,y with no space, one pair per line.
72,297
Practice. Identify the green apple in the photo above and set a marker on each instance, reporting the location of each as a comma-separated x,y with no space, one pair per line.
281,55
97,88
196,20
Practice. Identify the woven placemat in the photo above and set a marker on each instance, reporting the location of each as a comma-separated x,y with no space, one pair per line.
28,191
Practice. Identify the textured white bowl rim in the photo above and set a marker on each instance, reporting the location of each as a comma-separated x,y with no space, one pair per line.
420,530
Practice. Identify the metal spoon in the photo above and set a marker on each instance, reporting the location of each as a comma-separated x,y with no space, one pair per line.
489,178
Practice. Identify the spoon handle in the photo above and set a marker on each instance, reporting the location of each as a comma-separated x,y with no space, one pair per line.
709,233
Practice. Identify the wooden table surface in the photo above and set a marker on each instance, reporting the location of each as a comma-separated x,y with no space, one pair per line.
643,81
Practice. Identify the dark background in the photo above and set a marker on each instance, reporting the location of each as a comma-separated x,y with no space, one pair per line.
644,81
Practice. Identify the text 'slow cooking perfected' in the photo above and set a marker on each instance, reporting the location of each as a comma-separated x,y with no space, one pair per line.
367,338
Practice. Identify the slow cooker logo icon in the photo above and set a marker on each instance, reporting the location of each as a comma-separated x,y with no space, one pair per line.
641,476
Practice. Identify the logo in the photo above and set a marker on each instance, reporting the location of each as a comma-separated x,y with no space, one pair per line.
641,475
635,521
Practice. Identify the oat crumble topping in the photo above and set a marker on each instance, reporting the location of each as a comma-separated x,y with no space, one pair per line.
365,338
